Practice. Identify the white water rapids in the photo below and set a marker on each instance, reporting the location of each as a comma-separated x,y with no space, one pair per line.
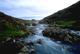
48,46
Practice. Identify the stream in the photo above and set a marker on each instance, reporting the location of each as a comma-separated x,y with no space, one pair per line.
47,46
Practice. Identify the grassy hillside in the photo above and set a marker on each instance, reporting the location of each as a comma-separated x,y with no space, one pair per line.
12,27
63,23
66,17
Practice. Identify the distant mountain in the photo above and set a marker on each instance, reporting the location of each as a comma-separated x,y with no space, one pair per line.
32,17
70,13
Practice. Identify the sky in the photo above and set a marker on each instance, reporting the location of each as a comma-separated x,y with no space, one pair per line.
33,9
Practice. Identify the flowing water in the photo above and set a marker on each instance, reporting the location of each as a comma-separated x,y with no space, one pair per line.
47,46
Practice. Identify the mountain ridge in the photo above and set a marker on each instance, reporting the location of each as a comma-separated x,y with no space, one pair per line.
70,13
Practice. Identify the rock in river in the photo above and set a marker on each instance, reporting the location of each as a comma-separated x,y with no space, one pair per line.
61,35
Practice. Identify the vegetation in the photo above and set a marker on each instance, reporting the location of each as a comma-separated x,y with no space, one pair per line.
66,17
12,27
62,23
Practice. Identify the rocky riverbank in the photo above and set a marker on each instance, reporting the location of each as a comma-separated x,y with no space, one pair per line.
16,46
63,35
12,32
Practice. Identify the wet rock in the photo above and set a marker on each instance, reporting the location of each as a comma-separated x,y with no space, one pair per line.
31,51
30,43
9,47
59,34
24,49
13,46
39,41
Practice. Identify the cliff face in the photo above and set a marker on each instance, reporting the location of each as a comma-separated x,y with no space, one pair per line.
70,13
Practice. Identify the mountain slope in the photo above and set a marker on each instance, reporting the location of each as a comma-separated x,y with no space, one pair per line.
66,18
11,26
70,13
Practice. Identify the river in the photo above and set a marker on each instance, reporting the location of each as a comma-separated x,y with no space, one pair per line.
47,46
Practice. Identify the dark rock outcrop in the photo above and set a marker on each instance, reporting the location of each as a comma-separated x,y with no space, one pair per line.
63,35
10,47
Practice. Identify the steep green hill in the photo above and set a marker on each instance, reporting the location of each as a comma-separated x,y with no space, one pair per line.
12,27
65,18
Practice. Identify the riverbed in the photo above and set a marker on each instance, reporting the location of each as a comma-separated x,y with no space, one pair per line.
47,46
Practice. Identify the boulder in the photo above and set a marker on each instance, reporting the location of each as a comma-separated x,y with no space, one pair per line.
59,34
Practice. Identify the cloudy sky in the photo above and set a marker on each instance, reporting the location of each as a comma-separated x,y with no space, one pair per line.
36,9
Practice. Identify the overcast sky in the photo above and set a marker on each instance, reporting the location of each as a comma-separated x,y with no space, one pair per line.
36,9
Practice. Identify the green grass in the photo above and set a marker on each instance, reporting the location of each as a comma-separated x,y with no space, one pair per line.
11,30
11,33
64,23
